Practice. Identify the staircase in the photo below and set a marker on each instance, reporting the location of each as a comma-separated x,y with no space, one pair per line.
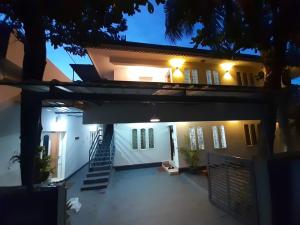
100,161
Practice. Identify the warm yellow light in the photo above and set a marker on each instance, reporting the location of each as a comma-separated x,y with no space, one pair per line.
226,66
177,73
227,76
177,62
234,121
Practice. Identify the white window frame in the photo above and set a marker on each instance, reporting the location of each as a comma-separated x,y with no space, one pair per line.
219,137
209,77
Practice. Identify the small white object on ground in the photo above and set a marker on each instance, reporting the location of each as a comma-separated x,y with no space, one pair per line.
75,204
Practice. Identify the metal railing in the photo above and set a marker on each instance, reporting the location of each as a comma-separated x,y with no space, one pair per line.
232,186
112,149
94,145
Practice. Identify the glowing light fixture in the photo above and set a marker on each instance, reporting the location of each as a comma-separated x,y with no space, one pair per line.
154,120
177,62
226,66
227,76
177,73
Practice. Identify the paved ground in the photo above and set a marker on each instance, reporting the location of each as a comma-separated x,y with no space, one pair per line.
146,197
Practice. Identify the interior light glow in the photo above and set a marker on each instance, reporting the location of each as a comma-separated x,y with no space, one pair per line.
227,66
177,62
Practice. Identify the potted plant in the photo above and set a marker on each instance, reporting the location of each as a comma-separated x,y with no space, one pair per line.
192,158
42,165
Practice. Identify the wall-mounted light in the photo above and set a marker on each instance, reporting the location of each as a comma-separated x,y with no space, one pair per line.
227,67
177,62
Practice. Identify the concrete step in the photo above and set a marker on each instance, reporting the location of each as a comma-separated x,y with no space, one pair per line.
96,180
101,158
98,173
94,187
99,168
100,163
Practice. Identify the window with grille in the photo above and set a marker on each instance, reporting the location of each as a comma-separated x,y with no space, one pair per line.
193,141
143,138
134,139
219,137
151,137
250,134
200,138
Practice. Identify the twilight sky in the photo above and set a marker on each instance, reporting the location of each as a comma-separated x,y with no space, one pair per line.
142,27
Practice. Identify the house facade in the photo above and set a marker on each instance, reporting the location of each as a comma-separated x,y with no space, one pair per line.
157,132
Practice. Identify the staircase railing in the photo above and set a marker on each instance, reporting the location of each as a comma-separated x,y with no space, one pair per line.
111,149
94,145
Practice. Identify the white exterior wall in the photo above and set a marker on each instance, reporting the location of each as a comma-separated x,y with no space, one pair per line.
76,152
9,143
10,116
125,155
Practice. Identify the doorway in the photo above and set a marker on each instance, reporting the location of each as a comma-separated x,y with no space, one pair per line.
171,142
54,143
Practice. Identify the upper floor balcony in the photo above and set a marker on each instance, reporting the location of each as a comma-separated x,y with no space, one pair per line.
127,61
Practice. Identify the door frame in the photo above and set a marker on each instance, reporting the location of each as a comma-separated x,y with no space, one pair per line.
61,153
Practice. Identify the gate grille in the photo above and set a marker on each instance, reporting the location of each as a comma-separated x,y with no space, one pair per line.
231,185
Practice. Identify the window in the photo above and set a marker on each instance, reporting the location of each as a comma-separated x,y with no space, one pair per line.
212,77
200,138
251,79
239,79
216,137
195,79
208,77
245,79
219,137
151,137
134,139
193,141
250,134
223,137
216,77
143,138
187,76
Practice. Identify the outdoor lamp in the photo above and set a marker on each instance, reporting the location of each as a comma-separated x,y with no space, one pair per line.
227,67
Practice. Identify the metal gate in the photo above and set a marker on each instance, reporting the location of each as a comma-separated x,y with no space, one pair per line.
231,184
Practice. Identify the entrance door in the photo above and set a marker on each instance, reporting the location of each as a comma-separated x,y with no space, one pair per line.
53,143
171,142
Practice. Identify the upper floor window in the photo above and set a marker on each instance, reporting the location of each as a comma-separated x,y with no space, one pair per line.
219,137
212,77
191,76
245,79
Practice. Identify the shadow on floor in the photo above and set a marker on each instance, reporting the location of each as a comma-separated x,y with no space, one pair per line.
147,197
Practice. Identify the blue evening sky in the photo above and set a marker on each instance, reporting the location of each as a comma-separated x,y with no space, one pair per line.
142,27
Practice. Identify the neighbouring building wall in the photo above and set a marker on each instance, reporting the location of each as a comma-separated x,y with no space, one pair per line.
10,115
126,155
77,143
235,138
9,136
15,54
